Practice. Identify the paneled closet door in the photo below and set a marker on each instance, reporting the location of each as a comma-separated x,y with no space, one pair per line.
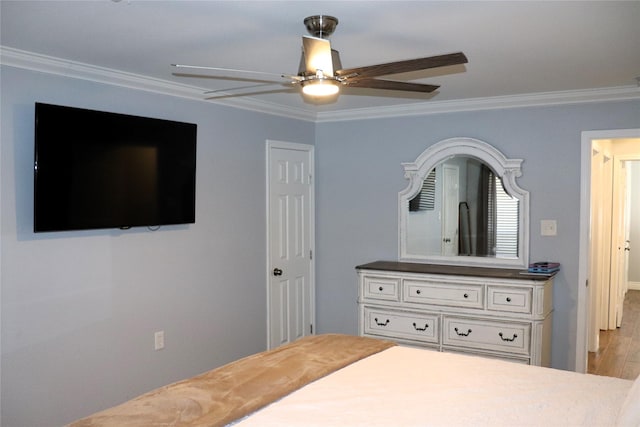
290,291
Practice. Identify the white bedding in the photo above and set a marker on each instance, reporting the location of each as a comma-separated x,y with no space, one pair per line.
404,386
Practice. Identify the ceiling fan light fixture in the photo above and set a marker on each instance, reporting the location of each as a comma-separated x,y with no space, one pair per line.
320,87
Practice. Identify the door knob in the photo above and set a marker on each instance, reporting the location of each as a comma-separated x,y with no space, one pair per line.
277,272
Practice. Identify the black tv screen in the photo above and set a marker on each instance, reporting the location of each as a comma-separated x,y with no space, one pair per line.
97,169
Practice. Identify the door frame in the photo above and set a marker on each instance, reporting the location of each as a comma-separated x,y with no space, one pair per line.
582,309
310,150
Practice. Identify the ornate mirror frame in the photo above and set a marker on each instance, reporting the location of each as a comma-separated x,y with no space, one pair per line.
507,169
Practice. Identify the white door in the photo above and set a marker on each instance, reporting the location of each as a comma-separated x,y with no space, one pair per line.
619,231
290,293
450,186
601,240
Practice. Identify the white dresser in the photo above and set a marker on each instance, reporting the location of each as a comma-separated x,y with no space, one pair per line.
492,312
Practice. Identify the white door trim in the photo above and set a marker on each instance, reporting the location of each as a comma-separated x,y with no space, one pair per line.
271,144
582,315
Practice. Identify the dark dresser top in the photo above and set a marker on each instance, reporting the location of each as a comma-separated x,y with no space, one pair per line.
414,267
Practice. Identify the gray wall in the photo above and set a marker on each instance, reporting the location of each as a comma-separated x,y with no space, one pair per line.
79,309
359,177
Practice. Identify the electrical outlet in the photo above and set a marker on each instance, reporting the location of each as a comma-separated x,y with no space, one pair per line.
158,338
548,227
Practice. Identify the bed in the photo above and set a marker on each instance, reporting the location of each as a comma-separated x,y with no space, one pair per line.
343,380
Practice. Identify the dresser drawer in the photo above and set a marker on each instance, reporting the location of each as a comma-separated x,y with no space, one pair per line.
511,337
453,295
399,324
514,300
383,288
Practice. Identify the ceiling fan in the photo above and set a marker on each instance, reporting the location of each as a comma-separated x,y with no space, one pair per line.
321,74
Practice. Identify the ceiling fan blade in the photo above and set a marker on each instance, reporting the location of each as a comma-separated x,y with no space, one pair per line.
317,54
255,93
229,89
403,66
391,85
233,70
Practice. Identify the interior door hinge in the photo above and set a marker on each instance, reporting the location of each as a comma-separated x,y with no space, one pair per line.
310,253
311,329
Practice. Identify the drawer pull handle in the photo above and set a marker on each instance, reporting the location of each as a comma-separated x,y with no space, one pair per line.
417,328
418,292
381,323
466,295
508,339
463,334
380,288
508,299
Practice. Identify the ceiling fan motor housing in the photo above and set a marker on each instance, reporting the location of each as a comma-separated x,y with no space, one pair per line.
335,59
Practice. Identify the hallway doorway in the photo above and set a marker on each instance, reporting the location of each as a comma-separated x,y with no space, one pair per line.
601,272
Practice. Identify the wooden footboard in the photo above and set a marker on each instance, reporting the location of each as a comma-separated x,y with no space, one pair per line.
237,389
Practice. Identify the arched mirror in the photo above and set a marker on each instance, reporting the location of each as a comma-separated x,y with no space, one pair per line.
463,206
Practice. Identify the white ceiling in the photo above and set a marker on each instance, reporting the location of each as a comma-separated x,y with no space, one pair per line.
514,48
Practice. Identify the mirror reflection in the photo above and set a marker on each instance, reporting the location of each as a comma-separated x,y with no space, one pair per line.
463,206
462,209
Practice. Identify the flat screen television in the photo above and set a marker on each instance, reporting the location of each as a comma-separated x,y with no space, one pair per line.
97,170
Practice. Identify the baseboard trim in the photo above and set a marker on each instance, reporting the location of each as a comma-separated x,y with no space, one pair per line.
634,286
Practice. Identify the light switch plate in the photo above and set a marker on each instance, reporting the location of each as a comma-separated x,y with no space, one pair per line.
158,338
548,227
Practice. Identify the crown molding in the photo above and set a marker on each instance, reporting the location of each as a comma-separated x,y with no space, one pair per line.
491,103
52,65
78,70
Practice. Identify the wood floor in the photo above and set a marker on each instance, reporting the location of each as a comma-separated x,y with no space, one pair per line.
619,353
